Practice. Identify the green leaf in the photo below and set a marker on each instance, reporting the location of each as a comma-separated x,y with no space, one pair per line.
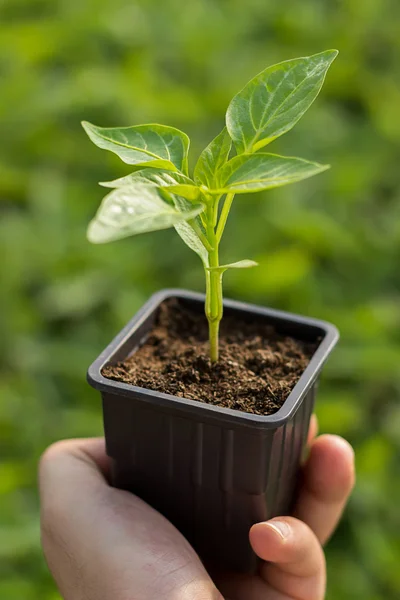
158,177
241,264
155,145
272,103
188,231
134,209
190,192
262,171
213,157
175,182
192,240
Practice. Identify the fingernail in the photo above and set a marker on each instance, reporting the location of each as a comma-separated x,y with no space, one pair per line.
280,527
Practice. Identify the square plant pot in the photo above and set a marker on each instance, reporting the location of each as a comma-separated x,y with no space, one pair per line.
212,471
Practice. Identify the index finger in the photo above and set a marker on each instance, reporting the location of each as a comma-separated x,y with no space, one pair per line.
327,480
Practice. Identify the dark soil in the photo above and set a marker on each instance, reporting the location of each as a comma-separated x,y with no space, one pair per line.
256,372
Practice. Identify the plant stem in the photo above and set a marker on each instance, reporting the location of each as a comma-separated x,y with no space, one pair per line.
200,234
216,205
224,215
213,306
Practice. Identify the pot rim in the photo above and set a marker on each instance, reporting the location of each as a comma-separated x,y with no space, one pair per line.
327,330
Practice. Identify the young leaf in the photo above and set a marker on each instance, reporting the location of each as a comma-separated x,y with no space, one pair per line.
190,192
189,231
272,103
134,209
212,158
241,264
192,240
262,171
153,145
175,182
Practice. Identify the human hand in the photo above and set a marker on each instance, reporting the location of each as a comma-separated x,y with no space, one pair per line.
106,544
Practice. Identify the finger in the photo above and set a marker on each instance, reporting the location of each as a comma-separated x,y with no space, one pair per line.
313,429
295,567
93,450
312,434
105,543
326,482
88,453
295,563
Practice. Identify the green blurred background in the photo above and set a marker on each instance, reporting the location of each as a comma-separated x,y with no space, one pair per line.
328,247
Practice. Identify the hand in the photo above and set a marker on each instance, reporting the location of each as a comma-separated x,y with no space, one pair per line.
106,544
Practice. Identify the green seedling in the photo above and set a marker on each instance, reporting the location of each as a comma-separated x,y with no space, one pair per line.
162,193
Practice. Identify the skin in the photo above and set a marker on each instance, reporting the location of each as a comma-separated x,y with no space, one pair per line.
106,544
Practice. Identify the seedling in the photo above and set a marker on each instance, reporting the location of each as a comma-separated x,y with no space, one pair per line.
161,193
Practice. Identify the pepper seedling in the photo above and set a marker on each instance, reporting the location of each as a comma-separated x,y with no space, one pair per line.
161,193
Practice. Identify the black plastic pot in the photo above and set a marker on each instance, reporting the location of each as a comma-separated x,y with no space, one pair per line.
212,471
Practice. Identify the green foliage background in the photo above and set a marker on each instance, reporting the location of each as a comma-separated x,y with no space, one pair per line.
328,247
